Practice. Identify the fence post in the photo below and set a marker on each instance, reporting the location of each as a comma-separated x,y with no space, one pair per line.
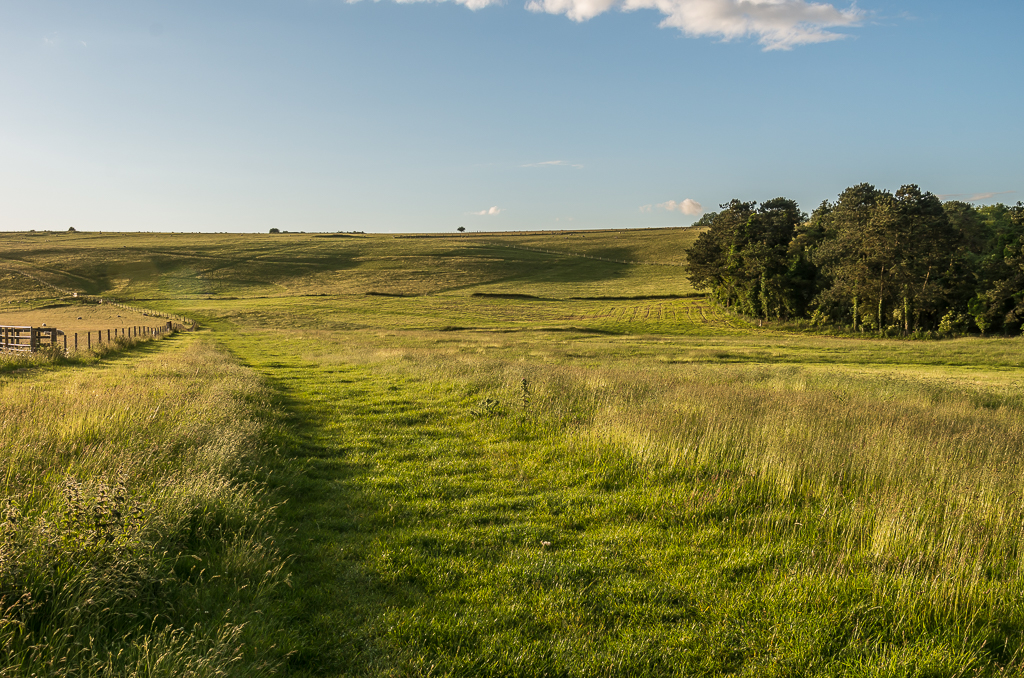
76,341
108,336
88,339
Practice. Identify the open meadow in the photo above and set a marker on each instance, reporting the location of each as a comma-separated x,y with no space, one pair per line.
519,454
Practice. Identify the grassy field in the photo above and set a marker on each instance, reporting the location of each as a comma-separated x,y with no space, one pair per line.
137,537
484,460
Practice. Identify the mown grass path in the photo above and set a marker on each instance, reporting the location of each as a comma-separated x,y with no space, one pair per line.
424,548
347,439
437,535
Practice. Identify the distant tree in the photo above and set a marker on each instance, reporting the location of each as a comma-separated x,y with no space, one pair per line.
900,261
772,281
706,220
886,257
999,303
708,257
743,258
461,229
275,230
71,229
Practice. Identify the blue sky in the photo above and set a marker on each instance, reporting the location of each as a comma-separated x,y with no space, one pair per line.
321,115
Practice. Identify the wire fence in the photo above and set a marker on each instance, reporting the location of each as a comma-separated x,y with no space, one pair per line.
97,299
22,339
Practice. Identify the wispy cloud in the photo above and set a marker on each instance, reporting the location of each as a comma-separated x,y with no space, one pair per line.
552,163
687,206
488,212
777,24
972,197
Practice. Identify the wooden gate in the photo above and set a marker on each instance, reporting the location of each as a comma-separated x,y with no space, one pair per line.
27,339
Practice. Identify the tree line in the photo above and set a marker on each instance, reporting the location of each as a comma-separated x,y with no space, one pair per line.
889,263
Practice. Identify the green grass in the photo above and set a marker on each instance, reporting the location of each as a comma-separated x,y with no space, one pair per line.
137,539
674,492
772,519
167,266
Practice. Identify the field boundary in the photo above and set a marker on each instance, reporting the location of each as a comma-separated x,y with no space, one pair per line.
28,339
97,299
585,256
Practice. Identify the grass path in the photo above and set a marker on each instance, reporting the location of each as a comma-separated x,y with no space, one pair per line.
435,534
420,545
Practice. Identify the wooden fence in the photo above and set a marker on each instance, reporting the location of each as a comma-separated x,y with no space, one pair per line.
94,299
31,339
27,339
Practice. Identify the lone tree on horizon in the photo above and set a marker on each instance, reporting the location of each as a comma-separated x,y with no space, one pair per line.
461,229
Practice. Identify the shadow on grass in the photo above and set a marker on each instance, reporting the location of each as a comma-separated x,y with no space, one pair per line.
643,297
518,330
335,436
497,295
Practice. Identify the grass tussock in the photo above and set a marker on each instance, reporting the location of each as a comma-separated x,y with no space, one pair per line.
135,538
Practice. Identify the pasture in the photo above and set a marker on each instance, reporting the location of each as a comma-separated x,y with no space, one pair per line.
463,457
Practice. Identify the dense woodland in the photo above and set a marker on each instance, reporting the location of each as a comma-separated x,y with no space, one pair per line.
872,261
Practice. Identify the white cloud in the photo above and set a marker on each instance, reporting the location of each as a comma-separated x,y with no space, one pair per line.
553,163
777,24
689,207
972,197
986,196
488,213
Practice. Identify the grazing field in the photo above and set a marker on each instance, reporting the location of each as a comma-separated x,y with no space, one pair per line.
497,461
72,317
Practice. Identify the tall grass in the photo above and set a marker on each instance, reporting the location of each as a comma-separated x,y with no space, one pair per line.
910,473
136,539
55,355
914,480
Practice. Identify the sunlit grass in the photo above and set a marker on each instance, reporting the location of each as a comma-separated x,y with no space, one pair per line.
503,462
132,542
189,266
651,506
